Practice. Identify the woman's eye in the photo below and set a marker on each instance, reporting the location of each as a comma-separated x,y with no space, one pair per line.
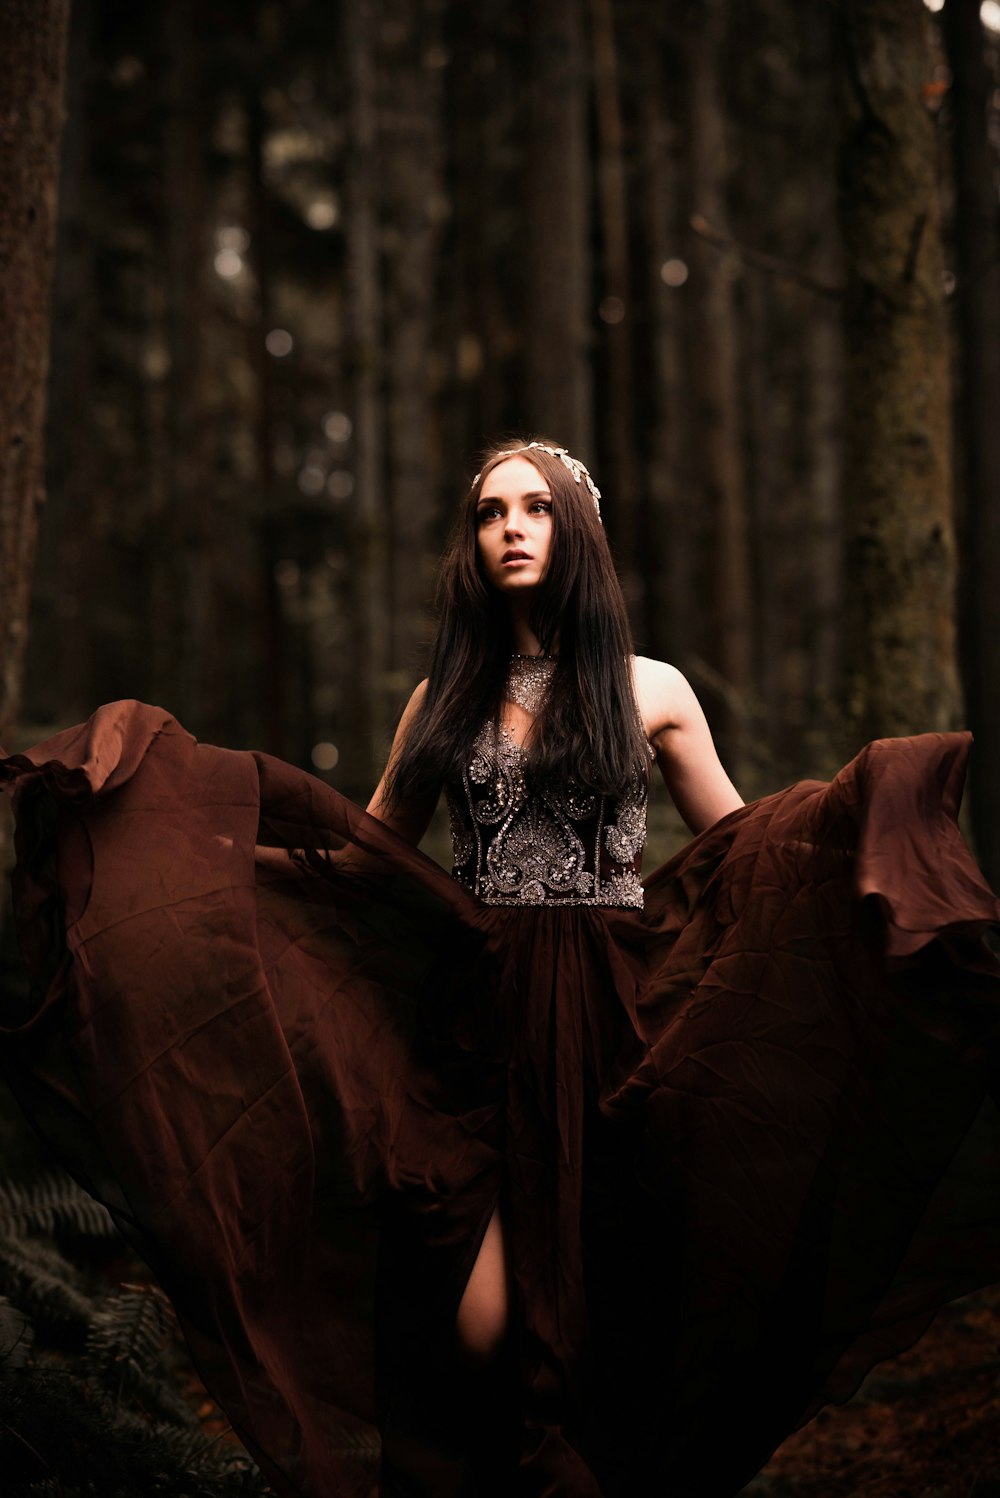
543,506
486,512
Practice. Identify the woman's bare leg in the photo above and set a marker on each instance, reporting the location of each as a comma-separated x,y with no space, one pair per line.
482,1313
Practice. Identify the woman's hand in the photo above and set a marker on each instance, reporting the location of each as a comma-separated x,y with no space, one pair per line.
685,752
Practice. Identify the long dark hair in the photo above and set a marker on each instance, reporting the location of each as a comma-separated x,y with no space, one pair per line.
589,731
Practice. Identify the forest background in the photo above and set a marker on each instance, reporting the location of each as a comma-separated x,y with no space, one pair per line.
272,272
742,256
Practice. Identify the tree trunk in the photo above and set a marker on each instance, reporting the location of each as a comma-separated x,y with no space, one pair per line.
58,668
626,517
33,47
187,255
714,372
413,214
483,121
272,654
784,208
900,640
977,250
677,620
822,396
557,263
363,317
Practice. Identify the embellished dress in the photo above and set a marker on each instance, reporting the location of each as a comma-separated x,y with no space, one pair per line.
740,1119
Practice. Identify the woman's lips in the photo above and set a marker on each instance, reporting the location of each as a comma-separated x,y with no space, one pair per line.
511,558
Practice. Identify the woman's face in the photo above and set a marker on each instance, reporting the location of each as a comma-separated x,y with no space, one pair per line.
514,525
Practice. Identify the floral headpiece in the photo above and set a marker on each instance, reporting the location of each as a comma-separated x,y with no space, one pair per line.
573,465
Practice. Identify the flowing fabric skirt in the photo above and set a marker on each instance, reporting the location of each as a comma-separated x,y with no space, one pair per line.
744,1143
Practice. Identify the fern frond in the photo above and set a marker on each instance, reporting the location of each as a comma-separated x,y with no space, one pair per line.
52,1203
187,1460
60,1437
38,1280
53,1487
126,1337
16,1337
363,1444
156,1398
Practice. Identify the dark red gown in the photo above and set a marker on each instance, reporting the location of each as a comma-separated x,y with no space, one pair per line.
745,1139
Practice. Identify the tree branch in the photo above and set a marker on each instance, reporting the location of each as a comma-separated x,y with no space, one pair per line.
773,264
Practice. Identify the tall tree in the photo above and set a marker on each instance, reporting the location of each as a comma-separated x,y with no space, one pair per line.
821,386
676,623
617,311
414,209
266,36
54,633
977,252
557,264
714,371
187,255
33,37
486,114
363,315
900,639
784,215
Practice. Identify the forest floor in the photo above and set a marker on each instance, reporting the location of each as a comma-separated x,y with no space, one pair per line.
923,1425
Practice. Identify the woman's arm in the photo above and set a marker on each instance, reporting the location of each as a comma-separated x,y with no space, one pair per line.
685,752
410,821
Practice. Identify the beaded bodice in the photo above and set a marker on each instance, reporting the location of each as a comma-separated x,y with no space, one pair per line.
518,843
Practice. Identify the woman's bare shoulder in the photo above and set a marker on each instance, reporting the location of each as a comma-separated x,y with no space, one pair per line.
416,696
663,693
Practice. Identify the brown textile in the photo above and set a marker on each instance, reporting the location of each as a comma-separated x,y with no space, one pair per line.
745,1142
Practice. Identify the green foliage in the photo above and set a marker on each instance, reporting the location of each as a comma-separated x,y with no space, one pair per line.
126,1334
52,1203
16,1337
58,1437
126,1339
39,1280
89,1399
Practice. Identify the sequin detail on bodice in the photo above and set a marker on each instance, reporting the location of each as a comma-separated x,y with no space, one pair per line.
514,843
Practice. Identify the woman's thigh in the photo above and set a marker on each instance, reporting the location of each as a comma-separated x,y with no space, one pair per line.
483,1309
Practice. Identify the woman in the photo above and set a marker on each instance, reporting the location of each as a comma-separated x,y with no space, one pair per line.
576,1185
526,577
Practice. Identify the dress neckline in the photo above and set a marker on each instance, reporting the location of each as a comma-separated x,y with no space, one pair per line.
527,686
528,680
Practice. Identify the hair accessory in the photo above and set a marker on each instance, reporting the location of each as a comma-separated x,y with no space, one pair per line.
574,466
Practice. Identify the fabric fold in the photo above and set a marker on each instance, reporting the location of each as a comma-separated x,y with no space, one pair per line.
744,1142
